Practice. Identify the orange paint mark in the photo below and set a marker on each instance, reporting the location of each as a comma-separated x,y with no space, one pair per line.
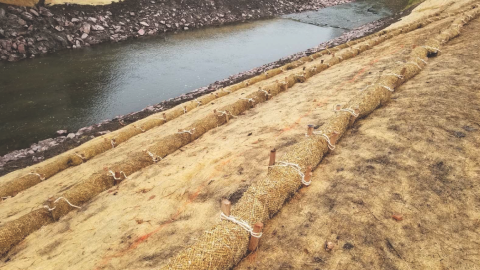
145,237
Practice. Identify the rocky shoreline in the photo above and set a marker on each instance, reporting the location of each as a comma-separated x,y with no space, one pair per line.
51,147
30,32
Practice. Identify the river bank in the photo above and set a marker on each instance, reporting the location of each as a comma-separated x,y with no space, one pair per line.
31,32
51,147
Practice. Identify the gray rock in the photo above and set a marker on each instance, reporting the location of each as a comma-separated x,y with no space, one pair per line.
34,12
62,131
86,28
27,16
144,24
74,20
71,135
98,28
84,35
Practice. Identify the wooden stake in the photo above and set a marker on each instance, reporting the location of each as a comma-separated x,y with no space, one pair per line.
226,205
308,174
353,118
273,152
310,130
257,228
165,117
226,115
334,137
286,83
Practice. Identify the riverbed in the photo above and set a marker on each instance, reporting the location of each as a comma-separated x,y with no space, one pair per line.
72,89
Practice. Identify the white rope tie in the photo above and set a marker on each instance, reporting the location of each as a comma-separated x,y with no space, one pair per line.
114,177
425,62
80,156
39,176
416,64
4,198
184,110
386,87
222,113
349,110
112,142
198,103
252,100
141,129
330,145
266,93
186,131
431,48
242,224
368,86
61,198
393,74
155,158
296,167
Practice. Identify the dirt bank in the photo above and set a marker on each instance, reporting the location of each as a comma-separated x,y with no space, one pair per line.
47,148
29,32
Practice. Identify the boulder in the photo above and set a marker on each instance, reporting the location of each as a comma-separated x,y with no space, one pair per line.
98,28
86,28
22,22
34,12
27,16
141,32
21,48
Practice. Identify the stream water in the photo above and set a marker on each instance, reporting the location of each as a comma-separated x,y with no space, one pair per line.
76,88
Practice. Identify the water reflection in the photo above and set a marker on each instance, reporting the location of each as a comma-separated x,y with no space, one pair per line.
72,89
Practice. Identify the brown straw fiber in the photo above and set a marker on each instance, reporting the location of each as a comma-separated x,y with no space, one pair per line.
102,144
224,245
15,231
99,145
102,180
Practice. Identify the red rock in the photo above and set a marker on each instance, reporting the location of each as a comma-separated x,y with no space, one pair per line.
141,32
21,48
